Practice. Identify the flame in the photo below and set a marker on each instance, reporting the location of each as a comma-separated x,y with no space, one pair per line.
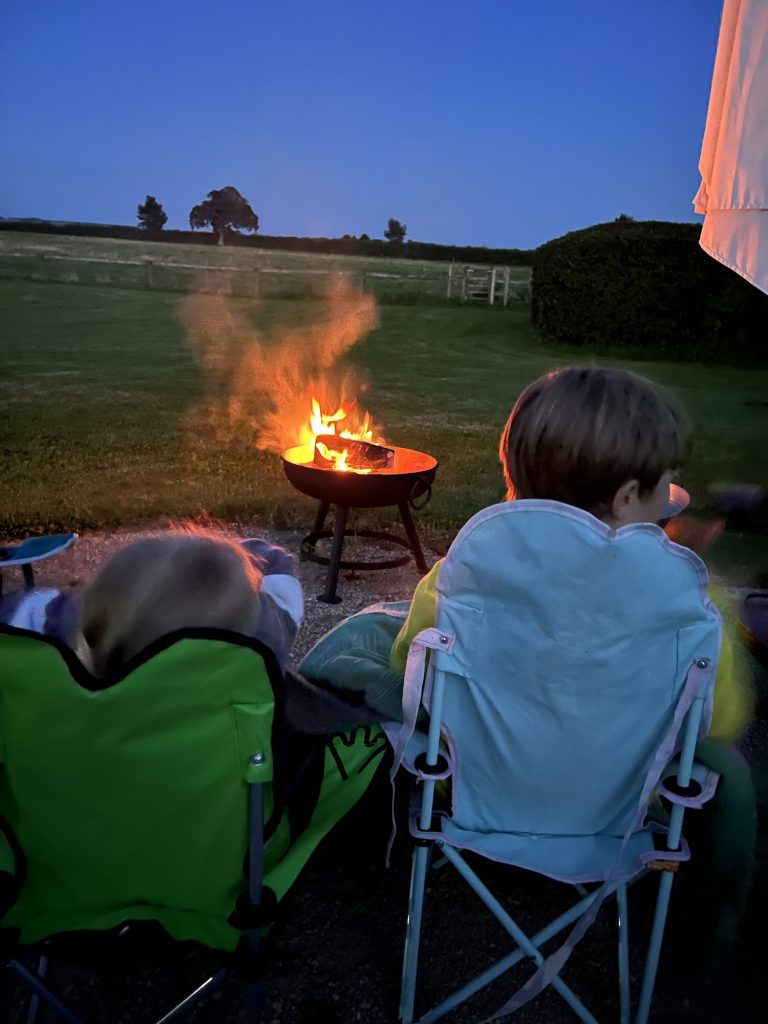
320,423
268,387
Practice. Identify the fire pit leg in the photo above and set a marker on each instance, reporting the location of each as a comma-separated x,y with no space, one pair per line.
413,537
339,526
322,514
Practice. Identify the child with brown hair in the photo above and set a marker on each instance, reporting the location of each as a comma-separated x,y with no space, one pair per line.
609,442
605,441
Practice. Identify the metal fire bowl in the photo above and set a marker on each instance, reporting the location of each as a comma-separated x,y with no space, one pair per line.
409,480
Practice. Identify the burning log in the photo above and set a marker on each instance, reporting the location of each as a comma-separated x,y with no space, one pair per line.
360,455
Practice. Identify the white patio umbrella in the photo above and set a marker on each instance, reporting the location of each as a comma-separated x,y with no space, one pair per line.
734,154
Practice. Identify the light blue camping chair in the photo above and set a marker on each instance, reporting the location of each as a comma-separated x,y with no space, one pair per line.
570,664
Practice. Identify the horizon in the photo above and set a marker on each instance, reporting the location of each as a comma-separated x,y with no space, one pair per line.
330,121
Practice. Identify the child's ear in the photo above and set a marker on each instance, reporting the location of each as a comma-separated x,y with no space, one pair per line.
624,500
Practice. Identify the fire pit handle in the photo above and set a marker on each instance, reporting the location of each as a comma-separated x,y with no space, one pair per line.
418,483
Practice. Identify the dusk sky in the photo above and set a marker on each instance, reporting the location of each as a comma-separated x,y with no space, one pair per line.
502,123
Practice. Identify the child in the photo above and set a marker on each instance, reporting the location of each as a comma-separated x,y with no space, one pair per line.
602,439
187,579
182,579
606,441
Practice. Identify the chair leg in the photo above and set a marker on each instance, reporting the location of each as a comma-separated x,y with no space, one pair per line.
31,980
522,940
623,928
654,947
413,932
200,993
255,996
254,1002
34,1002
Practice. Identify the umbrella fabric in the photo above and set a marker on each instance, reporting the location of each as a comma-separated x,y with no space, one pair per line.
734,156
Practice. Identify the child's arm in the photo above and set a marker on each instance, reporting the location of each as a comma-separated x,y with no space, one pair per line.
421,615
282,601
734,698
27,609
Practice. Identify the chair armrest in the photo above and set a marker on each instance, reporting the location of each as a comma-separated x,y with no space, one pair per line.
699,792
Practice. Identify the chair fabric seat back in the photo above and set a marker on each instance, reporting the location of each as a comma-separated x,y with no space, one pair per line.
572,646
130,801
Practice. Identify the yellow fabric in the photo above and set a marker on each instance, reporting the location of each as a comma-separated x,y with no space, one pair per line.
733,698
421,615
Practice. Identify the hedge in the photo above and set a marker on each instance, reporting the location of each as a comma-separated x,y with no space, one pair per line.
647,285
289,243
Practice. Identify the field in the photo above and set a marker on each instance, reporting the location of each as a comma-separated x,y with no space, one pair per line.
248,272
96,383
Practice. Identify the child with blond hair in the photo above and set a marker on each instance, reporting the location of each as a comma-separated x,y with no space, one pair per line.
182,579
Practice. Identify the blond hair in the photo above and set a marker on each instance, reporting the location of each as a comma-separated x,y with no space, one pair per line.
577,434
156,585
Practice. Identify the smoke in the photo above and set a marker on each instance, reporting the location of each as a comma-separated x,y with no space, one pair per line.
258,384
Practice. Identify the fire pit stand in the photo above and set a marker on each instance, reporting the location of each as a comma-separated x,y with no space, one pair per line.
335,562
407,485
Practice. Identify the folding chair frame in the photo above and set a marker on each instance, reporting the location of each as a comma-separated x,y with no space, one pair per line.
530,947
35,980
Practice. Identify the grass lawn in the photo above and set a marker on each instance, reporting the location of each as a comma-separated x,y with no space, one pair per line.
95,382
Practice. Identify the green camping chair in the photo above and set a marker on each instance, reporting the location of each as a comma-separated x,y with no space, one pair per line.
154,795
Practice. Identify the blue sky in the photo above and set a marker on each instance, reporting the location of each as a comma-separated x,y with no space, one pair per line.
503,123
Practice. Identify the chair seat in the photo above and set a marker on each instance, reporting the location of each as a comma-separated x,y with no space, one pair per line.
573,859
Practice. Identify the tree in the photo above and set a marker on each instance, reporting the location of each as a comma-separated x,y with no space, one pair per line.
152,216
224,210
395,231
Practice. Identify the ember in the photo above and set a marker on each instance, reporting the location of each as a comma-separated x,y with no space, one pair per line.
338,452
337,443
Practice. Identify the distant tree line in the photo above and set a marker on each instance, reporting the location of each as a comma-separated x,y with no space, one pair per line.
228,214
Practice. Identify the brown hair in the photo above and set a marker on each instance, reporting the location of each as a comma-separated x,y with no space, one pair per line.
156,585
576,435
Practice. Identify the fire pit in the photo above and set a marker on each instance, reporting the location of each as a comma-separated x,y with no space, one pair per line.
353,473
